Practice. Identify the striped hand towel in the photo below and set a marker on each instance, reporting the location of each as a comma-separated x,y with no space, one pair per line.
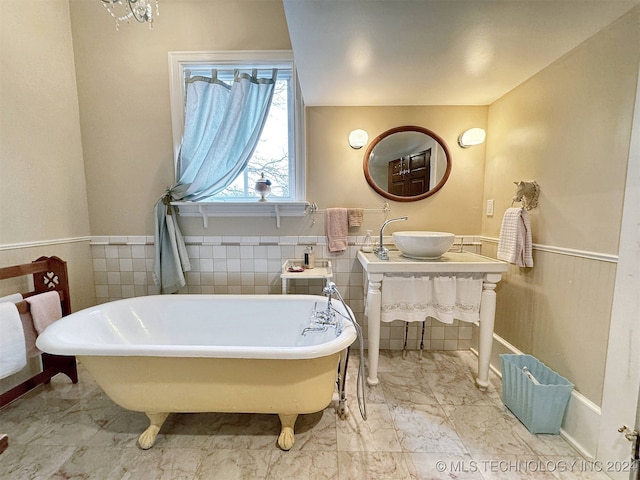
514,244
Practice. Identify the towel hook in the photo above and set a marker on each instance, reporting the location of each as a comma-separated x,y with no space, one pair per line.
313,208
527,193
386,209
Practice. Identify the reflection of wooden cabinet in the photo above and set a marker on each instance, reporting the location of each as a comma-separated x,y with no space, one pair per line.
409,175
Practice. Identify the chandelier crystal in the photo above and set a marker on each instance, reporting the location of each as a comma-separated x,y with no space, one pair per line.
125,10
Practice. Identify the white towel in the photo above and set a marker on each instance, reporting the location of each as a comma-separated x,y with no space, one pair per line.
13,353
13,298
514,244
445,297
45,309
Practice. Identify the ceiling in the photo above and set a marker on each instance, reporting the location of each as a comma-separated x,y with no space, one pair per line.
433,52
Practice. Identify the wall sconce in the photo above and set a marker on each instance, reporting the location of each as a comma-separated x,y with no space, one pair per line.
473,136
358,138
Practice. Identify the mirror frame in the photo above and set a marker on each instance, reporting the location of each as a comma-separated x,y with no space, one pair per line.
405,128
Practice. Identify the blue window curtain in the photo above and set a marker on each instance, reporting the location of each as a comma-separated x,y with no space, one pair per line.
222,128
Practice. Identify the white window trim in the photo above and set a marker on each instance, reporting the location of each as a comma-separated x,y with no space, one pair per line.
177,62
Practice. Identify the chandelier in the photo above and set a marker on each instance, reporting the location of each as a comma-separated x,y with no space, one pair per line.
125,10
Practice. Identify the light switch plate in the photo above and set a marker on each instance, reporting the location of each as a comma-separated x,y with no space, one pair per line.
490,208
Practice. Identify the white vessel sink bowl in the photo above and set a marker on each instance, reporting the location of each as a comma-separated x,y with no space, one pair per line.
423,245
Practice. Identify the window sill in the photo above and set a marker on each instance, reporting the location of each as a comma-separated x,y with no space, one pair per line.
241,209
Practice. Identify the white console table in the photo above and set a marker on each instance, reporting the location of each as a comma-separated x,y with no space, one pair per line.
450,262
322,270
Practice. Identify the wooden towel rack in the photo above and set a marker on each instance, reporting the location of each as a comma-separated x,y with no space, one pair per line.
49,273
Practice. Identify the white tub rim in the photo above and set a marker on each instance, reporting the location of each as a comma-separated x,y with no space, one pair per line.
50,342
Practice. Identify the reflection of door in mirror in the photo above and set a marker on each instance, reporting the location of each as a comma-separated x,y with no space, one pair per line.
409,175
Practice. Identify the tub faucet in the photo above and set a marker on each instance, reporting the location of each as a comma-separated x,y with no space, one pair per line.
323,319
381,251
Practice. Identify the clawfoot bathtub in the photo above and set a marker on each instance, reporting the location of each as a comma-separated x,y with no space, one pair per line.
207,353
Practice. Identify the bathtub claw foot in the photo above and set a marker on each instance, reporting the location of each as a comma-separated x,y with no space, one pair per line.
343,411
287,438
148,437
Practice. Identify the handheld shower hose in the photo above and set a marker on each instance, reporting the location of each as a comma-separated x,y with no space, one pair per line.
330,290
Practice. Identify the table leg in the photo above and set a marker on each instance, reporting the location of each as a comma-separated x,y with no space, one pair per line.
485,340
374,296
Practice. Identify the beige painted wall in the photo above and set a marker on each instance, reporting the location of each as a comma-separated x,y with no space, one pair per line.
79,267
335,176
568,128
42,184
123,90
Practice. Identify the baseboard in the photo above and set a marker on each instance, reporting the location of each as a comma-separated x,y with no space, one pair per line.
581,424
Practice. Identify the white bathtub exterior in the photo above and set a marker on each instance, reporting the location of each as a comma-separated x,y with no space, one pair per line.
206,353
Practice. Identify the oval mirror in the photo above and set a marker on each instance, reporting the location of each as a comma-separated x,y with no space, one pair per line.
407,163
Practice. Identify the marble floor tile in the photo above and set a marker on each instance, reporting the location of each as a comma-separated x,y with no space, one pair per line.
571,467
458,388
444,361
303,465
122,428
543,444
406,387
517,467
131,463
189,430
525,467
439,466
487,429
33,461
371,394
392,361
425,420
377,433
316,431
373,465
425,428
234,464
246,431
108,463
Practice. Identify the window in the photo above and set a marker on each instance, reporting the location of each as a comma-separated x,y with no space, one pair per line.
279,152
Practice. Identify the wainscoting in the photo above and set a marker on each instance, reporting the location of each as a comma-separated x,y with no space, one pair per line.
560,311
247,265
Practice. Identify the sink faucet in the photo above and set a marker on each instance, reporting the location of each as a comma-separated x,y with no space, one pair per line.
381,251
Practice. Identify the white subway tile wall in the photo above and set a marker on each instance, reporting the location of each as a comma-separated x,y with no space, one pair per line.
252,265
